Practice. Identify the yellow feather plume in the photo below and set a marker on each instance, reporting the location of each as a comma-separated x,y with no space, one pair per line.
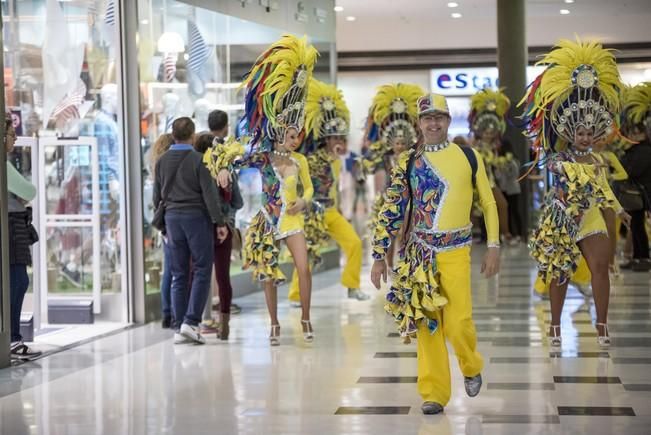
637,102
490,100
382,106
323,101
557,85
280,61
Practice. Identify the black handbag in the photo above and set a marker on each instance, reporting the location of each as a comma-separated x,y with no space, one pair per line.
632,196
158,221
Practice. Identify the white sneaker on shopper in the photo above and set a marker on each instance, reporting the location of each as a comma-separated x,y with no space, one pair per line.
180,339
295,304
355,293
192,333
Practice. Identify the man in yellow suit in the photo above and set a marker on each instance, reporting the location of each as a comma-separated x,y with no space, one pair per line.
429,201
326,126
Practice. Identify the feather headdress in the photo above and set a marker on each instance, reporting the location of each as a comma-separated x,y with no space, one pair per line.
487,110
326,113
579,87
276,88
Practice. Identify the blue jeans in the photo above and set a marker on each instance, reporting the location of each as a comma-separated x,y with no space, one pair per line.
166,282
19,282
190,236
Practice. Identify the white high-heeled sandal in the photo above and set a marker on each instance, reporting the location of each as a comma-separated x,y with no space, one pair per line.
603,340
308,334
555,339
274,336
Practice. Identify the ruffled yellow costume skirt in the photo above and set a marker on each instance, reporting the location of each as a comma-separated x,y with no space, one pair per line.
414,295
316,233
261,251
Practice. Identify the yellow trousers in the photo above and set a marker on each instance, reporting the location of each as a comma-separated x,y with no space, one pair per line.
455,324
342,232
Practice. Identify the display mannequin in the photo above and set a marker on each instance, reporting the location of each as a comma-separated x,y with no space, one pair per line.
202,108
170,112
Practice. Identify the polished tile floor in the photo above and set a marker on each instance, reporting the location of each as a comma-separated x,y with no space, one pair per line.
356,378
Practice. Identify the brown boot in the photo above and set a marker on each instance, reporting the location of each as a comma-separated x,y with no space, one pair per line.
223,326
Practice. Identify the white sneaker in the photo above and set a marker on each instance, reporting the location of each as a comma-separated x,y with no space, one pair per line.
295,304
180,339
355,293
192,333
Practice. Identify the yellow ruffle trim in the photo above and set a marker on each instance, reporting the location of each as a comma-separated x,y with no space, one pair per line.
414,295
316,234
553,243
222,156
260,251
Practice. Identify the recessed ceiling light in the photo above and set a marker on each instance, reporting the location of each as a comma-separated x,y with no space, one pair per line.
453,5
569,1
144,21
565,12
456,15
350,18
339,8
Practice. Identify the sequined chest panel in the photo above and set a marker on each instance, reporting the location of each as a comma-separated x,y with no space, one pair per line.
271,189
429,191
323,178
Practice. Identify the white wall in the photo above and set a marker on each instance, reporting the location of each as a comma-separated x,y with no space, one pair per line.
425,32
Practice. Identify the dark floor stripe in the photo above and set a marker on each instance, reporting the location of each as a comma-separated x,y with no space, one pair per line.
595,410
521,386
520,419
387,380
395,355
579,354
373,410
515,342
631,360
393,335
637,387
496,327
587,380
520,360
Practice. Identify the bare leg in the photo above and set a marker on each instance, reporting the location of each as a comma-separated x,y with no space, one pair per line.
298,249
609,217
596,250
556,300
271,296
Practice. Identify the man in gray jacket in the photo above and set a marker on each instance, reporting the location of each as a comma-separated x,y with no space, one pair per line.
192,213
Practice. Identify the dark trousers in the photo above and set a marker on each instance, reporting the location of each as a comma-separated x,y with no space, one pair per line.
638,233
223,272
166,282
515,222
19,282
190,235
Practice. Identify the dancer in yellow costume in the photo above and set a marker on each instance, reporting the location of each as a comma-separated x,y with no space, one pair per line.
567,108
430,199
392,129
276,90
487,122
326,125
581,278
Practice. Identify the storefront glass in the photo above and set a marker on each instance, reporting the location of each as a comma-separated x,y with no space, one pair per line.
62,89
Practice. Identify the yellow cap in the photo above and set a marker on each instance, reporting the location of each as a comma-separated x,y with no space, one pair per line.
432,103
